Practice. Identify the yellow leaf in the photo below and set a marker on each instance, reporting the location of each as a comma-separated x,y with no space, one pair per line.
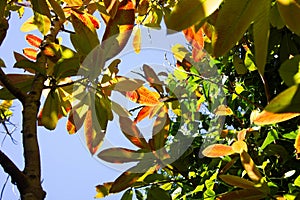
223,110
239,146
137,40
28,25
297,144
250,167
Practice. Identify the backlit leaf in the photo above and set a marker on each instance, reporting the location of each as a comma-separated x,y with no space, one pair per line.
120,155
189,12
289,70
153,18
76,118
137,40
87,19
237,181
297,144
33,40
73,2
50,113
217,150
266,117
103,190
233,20
156,193
196,39
290,12
271,137
152,78
118,29
42,22
239,146
261,31
66,67
93,133
144,96
250,167
132,133
245,194
28,25
143,113
223,110
30,53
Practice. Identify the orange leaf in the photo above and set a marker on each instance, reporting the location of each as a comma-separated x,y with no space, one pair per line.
93,133
266,117
33,40
197,42
137,40
217,150
30,53
144,96
87,19
223,110
242,134
132,133
143,113
250,167
297,144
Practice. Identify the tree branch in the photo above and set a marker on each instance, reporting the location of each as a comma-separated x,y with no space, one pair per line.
10,168
11,88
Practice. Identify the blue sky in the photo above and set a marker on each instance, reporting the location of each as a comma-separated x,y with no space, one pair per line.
68,170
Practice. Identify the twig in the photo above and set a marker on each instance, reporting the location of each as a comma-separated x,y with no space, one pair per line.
2,190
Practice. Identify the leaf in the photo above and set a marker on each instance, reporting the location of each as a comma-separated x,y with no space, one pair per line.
58,10
275,18
217,150
290,12
261,32
143,113
50,113
196,39
118,29
283,107
2,64
84,39
233,19
42,22
120,155
297,144
153,17
237,181
103,190
33,40
137,40
66,67
189,12
76,118
87,19
160,130
239,146
250,167
103,111
250,61
120,110
73,3
132,133
127,195
239,65
152,78
289,71
21,81
94,135
41,7
245,194
29,66
223,110
125,84
297,181
30,53
28,25
271,137
144,96
156,193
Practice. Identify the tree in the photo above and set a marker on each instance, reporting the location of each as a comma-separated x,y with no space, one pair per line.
225,120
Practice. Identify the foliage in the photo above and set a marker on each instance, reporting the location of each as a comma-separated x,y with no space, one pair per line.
241,67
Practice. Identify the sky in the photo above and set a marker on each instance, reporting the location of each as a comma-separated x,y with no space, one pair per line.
68,169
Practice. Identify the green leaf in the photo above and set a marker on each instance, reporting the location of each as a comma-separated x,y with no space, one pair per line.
30,66
239,65
42,22
297,181
245,194
152,178
261,31
237,181
58,10
290,12
127,195
103,190
292,135
189,12
286,101
234,18
249,61
153,18
103,110
84,40
156,193
120,155
289,71
50,112
66,67
271,137
275,18
41,7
